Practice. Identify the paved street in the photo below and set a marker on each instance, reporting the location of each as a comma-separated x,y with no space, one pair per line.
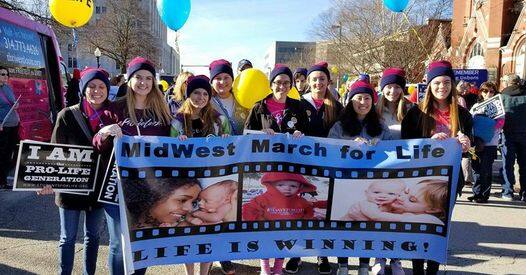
486,239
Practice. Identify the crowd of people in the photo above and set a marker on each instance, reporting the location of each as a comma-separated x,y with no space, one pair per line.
200,106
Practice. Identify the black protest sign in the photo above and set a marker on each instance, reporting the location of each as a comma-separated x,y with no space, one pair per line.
108,193
64,167
492,107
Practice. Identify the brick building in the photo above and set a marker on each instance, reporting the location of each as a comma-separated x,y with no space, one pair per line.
489,34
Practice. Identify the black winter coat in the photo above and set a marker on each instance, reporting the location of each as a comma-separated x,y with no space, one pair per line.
294,117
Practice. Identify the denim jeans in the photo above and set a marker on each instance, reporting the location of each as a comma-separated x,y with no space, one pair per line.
115,260
514,149
69,222
483,167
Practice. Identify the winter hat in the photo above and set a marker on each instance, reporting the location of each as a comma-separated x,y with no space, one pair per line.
322,67
244,62
196,82
364,77
271,177
393,76
89,74
300,71
439,68
280,69
360,87
139,63
220,66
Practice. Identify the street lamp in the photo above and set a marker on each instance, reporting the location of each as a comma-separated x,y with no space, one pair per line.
339,27
97,54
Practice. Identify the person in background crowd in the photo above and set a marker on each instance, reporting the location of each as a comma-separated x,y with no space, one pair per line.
359,121
223,99
392,105
77,125
464,90
116,82
243,65
439,117
178,92
486,147
73,91
142,112
322,112
513,138
9,126
278,113
300,80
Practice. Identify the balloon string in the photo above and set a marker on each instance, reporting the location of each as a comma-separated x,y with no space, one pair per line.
417,36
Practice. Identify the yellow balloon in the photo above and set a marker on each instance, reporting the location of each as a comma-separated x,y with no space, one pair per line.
164,84
251,86
334,70
71,13
293,93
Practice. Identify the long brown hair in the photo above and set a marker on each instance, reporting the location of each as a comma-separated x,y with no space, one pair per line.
428,121
156,106
402,106
208,115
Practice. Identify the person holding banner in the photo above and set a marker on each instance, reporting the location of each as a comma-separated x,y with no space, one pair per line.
278,113
321,107
322,112
197,117
486,141
223,100
439,116
143,111
392,105
360,121
76,125
9,126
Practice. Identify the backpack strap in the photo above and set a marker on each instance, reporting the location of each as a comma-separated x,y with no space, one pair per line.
75,109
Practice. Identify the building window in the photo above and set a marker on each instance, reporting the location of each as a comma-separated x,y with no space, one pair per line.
97,10
103,9
70,47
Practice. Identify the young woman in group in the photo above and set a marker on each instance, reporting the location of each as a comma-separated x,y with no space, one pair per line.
322,111
488,153
439,117
278,113
143,112
223,100
359,121
197,118
77,125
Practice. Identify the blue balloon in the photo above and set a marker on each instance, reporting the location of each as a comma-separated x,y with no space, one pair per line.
174,13
396,5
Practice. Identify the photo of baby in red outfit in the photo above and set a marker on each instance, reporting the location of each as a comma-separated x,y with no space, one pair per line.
419,200
282,199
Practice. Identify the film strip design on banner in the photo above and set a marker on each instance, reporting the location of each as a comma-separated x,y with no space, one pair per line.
333,184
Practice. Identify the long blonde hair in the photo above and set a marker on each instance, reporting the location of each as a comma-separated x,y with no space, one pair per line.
180,86
208,115
156,106
402,107
428,121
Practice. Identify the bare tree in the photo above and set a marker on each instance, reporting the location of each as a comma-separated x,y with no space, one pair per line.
366,37
122,33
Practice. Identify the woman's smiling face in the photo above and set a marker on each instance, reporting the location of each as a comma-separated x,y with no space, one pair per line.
178,204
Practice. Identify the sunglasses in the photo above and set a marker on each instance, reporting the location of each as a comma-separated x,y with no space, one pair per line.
3,74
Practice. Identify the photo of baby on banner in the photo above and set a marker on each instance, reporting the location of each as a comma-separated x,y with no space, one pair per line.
180,202
284,196
408,200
